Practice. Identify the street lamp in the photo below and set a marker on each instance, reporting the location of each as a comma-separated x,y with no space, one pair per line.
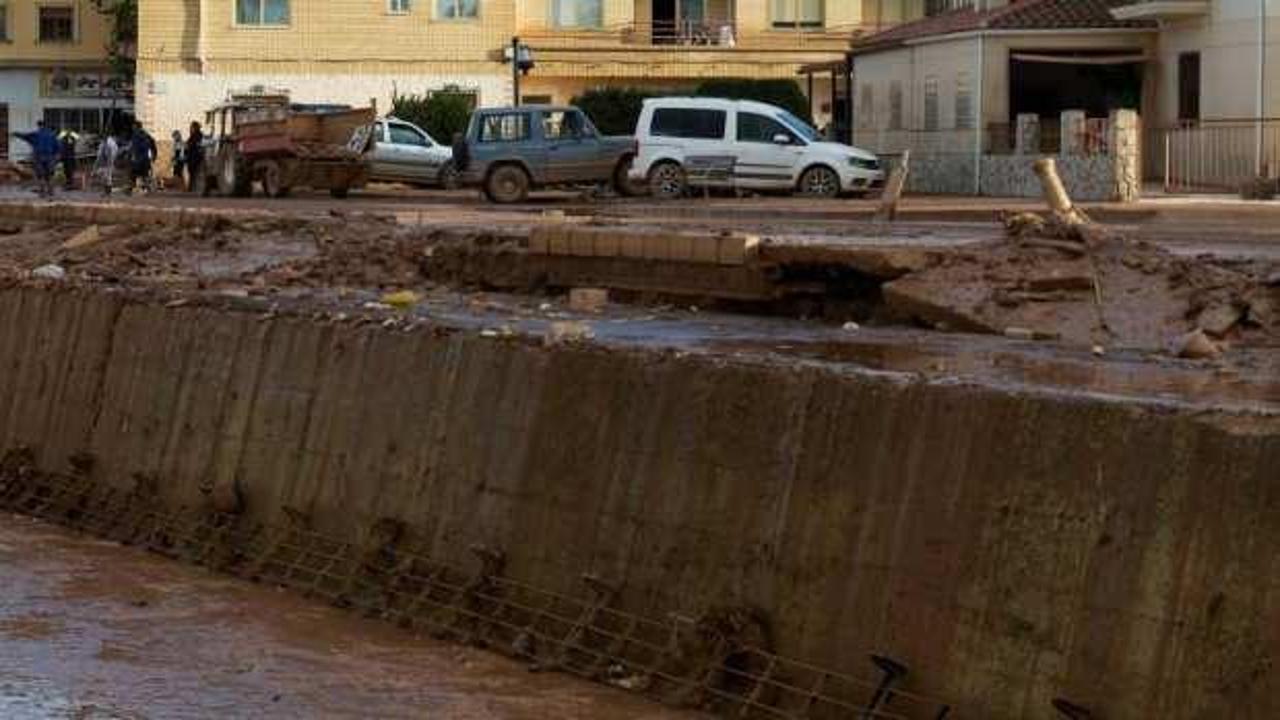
521,58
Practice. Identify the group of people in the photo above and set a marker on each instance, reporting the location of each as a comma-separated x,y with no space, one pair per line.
49,148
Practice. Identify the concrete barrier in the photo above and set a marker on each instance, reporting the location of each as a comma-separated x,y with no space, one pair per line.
1010,547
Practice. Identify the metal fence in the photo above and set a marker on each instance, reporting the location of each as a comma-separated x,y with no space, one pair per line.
1208,156
718,661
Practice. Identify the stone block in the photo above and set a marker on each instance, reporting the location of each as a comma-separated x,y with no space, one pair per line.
608,243
582,241
588,299
737,249
540,239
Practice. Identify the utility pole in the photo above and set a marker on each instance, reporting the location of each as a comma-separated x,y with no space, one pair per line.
515,71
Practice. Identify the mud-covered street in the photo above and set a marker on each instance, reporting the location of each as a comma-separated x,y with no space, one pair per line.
94,631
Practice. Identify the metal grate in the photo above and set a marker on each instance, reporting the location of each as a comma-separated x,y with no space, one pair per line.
718,661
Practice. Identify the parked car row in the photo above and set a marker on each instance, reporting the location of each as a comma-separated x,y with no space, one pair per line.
679,143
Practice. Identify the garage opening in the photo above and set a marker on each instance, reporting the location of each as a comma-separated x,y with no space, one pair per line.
1048,83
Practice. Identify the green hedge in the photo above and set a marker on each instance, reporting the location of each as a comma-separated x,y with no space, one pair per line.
785,94
614,110
441,113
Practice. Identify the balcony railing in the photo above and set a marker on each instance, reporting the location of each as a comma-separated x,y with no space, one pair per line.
710,33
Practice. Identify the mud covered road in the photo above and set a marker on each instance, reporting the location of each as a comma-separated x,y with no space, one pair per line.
94,631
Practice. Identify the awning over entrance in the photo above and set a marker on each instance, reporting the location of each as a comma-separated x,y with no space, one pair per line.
1122,59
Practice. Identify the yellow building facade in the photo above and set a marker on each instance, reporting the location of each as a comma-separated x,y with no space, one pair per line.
193,52
54,67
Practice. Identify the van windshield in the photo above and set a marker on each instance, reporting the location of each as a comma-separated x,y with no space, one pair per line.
802,128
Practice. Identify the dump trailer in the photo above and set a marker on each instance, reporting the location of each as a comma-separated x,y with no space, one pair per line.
283,145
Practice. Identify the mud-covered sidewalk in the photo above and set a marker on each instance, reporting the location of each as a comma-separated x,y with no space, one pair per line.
91,630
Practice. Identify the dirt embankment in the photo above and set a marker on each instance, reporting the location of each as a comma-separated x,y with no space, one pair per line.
1107,293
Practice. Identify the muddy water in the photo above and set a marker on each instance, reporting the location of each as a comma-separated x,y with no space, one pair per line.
91,630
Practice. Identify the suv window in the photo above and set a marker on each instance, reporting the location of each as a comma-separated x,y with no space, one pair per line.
761,128
509,127
688,123
405,135
562,125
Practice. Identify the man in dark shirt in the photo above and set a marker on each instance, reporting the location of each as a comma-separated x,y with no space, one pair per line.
45,150
142,154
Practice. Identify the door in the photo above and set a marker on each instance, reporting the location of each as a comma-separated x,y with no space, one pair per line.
573,147
767,153
404,152
664,21
1189,87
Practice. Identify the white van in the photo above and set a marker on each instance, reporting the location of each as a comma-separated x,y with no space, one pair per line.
740,143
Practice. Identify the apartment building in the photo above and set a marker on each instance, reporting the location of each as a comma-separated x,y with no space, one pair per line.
54,67
192,52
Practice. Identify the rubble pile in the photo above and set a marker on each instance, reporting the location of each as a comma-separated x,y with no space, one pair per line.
1087,286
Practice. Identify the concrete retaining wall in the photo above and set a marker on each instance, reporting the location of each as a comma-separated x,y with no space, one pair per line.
1010,548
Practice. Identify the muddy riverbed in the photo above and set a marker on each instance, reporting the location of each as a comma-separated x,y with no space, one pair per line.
94,631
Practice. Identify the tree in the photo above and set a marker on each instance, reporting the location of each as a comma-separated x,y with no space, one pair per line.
123,48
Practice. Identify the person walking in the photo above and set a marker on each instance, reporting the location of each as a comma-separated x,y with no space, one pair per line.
68,140
142,155
45,150
105,165
195,158
179,160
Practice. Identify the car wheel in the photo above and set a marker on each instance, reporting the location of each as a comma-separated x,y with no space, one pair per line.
339,192
820,182
667,181
273,180
449,178
233,176
507,184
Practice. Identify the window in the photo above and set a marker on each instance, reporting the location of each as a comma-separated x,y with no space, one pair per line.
561,125
86,121
405,135
1189,86
796,13
964,103
57,24
457,9
761,129
399,7
577,13
895,105
262,12
4,26
509,127
688,123
931,103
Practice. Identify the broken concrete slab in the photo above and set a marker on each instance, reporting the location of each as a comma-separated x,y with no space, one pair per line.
84,238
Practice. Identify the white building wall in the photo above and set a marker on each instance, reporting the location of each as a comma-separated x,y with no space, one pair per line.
1228,42
170,101
19,89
